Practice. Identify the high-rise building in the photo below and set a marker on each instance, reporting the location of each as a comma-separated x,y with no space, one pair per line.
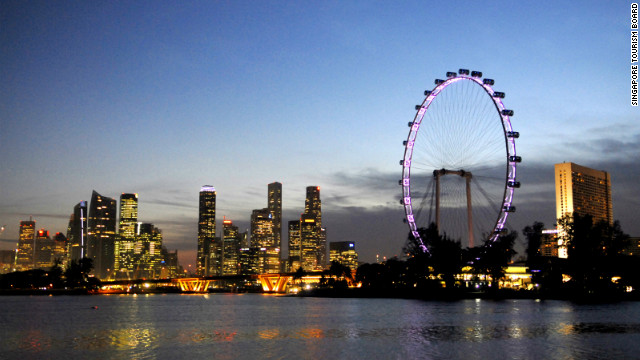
128,215
275,209
344,252
294,245
43,254
313,209
262,237
583,191
102,234
309,240
231,248
150,260
126,253
313,205
60,250
26,245
207,261
77,232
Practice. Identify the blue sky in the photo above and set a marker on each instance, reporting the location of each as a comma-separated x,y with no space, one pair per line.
162,97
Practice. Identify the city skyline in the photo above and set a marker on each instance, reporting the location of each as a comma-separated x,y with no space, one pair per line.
241,95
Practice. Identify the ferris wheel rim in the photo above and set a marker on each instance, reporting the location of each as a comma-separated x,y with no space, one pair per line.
511,158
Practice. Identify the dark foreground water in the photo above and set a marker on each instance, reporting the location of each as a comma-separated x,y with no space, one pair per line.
253,326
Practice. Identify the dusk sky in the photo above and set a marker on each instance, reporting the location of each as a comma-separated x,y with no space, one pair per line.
162,97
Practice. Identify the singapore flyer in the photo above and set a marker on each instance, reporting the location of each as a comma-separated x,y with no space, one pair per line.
459,164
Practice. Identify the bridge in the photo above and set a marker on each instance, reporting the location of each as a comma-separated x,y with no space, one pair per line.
270,283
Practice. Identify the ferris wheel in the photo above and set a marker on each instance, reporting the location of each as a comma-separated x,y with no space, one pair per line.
459,165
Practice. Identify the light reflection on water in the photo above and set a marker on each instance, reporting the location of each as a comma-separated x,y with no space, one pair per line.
256,326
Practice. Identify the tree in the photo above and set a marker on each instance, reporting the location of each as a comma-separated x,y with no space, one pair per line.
593,251
77,273
495,256
446,254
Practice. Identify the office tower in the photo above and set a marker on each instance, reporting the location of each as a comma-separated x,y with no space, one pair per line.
77,232
231,248
128,215
344,252
294,245
313,205
170,268
583,191
102,234
125,245
262,237
7,261
313,210
309,240
275,209
206,232
26,245
43,251
60,250
149,264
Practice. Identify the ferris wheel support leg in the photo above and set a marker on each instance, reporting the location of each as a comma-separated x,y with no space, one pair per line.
469,212
438,201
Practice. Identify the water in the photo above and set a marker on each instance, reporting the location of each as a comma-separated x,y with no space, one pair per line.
253,326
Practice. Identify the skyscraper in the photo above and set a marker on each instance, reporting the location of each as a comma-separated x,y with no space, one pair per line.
313,210
313,205
128,215
43,254
26,245
309,240
583,191
262,238
231,248
126,257
77,232
275,209
294,245
206,231
102,233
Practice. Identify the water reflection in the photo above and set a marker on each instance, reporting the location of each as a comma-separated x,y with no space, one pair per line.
258,326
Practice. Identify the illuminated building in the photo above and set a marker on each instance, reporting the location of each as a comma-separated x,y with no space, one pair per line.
43,251
294,245
249,261
583,191
102,234
26,245
275,209
207,262
127,249
344,252
549,244
262,237
170,266
7,261
633,247
151,257
61,250
309,238
77,232
313,210
231,248
128,215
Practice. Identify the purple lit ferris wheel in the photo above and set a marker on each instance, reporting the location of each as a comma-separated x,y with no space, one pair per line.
459,165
